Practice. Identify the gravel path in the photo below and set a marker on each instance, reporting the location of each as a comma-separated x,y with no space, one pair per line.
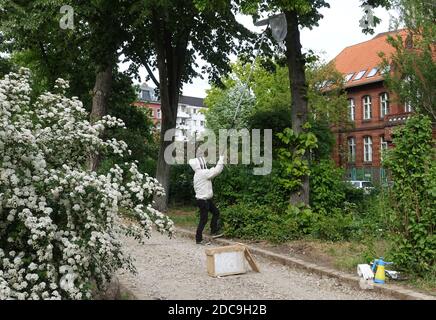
176,269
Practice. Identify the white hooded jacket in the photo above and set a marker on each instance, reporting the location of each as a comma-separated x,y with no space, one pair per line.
203,177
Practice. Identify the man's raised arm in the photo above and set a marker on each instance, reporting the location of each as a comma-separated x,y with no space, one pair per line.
213,172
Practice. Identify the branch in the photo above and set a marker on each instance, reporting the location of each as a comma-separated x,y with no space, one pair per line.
150,73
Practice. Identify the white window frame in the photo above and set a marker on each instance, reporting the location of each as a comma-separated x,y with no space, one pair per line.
351,149
158,113
367,149
349,76
384,104
352,109
372,73
383,146
359,75
408,107
367,107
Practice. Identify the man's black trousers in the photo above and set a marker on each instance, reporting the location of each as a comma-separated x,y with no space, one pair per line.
206,206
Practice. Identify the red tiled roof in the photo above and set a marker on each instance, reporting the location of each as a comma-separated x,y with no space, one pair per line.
364,57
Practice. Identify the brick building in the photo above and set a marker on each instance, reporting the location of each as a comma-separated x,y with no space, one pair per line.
373,110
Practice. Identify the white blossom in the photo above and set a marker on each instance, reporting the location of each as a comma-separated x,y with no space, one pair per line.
59,222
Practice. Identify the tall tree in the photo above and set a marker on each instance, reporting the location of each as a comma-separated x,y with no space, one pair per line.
299,13
169,36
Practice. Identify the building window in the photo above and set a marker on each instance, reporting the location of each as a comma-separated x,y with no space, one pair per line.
372,73
359,75
158,113
367,149
384,104
408,107
202,123
383,146
351,109
194,110
145,95
348,77
351,150
367,106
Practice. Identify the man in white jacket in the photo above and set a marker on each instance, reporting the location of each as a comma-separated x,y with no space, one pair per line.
204,193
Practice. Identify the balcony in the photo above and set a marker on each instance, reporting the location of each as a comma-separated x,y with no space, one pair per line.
183,115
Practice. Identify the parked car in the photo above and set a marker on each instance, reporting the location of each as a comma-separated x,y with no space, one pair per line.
367,186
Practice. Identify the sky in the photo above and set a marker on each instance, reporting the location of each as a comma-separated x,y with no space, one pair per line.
338,29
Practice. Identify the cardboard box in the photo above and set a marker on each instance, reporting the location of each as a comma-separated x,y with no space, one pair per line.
224,261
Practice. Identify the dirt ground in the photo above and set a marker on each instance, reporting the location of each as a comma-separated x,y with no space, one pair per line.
176,269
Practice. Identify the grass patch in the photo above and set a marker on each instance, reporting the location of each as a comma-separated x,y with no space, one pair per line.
426,283
185,217
347,255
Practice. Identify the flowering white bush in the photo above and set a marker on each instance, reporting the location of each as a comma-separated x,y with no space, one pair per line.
60,223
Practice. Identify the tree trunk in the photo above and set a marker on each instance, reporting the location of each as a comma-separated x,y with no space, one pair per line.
297,78
163,169
169,104
171,56
101,91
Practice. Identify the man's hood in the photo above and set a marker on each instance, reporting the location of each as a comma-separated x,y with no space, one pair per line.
197,163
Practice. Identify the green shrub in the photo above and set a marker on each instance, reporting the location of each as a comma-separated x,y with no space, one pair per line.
353,195
237,184
335,227
327,188
413,197
293,157
257,223
257,207
303,217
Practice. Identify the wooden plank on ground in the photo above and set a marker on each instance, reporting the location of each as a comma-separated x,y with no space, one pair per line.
250,260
